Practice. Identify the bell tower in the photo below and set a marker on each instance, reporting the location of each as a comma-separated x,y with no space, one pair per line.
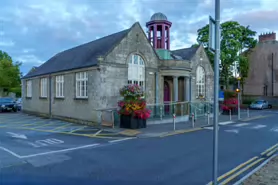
159,31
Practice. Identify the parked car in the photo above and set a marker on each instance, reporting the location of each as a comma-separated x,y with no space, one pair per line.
8,104
260,104
18,103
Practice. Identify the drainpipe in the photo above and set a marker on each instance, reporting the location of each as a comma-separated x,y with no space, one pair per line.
50,96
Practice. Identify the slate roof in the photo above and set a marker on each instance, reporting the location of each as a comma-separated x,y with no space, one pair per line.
82,56
185,53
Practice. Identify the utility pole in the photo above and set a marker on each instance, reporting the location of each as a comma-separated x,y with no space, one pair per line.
272,74
216,89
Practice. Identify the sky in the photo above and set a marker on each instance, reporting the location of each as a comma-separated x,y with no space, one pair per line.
32,31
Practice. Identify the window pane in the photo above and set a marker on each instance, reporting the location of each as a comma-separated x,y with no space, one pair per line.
135,59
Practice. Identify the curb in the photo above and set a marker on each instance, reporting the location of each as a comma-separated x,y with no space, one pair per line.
255,170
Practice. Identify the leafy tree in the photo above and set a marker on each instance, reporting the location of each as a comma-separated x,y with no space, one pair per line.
9,74
235,38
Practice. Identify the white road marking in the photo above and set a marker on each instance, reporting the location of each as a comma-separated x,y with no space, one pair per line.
118,140
209,128
241,124
10,152
20,136
226,122
234,131
46,153
258,126
275,129
97,132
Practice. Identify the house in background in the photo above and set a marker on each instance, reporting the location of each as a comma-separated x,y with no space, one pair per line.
262,79
76,83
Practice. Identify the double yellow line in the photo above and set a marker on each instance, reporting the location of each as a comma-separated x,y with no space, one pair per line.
232,174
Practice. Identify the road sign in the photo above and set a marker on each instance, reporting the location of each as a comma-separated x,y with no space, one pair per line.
211,34
221,96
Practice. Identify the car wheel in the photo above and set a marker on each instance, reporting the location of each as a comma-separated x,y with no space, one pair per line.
269,106
15,109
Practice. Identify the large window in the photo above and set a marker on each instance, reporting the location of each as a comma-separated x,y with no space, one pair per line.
29,88
43,87
136,70
59,86
200,81
82,85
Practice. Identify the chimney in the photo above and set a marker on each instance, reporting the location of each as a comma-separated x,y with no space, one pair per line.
267,37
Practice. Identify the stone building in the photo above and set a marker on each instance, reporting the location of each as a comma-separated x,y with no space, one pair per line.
263,67
76,83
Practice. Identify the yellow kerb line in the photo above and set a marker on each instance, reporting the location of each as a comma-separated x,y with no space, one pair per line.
241,171
271,148
40,126
235,169
78,129
61,126
271,152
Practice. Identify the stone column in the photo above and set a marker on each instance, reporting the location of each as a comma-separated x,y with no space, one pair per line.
176,88
155,36
157,102
163,37
186,88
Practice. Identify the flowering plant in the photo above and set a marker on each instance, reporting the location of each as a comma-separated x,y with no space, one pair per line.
133,104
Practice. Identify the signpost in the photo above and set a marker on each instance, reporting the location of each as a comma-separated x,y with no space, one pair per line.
214,46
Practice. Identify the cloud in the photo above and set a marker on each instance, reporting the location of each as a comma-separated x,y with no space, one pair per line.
33,31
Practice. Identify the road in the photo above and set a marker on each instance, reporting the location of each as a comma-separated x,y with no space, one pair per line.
29,155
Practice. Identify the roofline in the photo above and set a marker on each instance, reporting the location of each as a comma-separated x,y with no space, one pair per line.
51,73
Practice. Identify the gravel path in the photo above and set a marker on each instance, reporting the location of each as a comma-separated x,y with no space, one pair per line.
267,175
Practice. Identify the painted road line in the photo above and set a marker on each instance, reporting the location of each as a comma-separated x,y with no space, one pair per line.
119,140
47,153
226,122
258,127
181,132
44,125
254,171
63,126
272,152
78,129
256,117
241,124
269,149
234,170
241,171
97,132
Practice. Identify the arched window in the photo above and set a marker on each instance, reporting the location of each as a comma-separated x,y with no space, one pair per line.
136,70
200,81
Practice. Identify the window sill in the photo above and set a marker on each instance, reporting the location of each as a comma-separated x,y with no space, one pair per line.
43,98
81,98
28,98
59,98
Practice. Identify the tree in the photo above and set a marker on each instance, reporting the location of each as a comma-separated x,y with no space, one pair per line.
9,74
234,39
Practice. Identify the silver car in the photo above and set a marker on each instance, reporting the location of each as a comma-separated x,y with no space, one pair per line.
260,104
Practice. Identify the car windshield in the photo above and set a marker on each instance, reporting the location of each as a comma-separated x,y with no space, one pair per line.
258,102
6,100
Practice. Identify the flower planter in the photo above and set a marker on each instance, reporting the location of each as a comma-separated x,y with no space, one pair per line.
131,122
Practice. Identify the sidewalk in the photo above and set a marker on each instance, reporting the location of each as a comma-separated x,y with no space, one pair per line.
267,175
156,130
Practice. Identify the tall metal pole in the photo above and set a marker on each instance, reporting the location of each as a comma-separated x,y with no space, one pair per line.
238,99
216,89
272,74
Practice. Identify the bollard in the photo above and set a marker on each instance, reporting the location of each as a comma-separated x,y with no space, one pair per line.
174,121
208,118
161,113
230,113
195,115
247,113
193,120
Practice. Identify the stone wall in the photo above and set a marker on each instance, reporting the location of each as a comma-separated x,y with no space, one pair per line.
68,107
205,63
114,69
